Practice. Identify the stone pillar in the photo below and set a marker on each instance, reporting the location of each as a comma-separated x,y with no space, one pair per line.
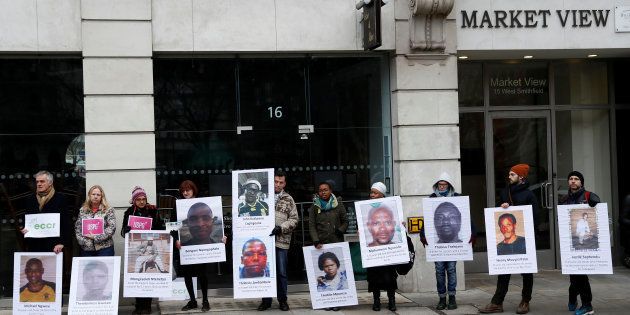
425,116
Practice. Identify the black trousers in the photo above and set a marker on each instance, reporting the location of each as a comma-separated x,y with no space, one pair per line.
503,283
582,287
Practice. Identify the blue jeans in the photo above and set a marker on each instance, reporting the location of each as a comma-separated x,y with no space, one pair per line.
282,281
442,268
108,251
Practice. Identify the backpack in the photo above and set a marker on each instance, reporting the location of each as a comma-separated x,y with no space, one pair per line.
404,269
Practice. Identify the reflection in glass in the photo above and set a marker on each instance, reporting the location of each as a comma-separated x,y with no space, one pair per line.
470,84
581,83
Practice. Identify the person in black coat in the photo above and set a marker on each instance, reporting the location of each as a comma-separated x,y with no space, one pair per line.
516,194
46,200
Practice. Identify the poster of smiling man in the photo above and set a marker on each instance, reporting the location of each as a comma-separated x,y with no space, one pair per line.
94,285
447,228
330,275
383,239
511,241
148,260
37,283
254,269
584,239
201,233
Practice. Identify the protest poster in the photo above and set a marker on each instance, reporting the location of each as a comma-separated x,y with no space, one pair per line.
42,225
139,223
92,226
94,285
447,228
382,237
511,241
584,237
179,291
148,260
37,283
253,219
201,233
330,275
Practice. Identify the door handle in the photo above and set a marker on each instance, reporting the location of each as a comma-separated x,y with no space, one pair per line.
543,200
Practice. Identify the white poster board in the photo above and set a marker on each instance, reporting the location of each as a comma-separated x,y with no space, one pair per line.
37,283
179,292
382,237
447,228
584,239
94,285
148,260
42,225
330,275
511,241
201,232
253,219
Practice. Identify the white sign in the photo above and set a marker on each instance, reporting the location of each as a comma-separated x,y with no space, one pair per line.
253,219
42,225
330,275
622,19
511,241
37,283
584,239
447,228
201,233
94,285
179,292
383,239
148,260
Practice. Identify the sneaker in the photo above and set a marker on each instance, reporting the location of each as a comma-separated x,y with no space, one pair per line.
205,306
452,303
523,308
441,304
572,306
585,310
189,306
492,308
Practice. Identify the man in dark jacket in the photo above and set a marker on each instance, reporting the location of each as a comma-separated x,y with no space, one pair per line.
516,194
579,283
46,200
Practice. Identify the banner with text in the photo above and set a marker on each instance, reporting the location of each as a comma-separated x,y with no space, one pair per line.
37,283
94,285
42,225
201,233
447,228
148,260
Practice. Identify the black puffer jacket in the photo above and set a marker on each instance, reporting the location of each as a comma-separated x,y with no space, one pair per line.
579,197
519,195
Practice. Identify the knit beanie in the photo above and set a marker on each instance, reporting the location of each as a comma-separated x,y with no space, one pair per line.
578,174
137,192
380,187
521,170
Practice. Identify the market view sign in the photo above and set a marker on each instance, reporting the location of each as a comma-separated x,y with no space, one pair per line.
533,18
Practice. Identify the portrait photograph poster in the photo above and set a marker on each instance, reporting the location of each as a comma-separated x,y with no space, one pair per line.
512,246
201,232
382,237
447,228
330,275
39,290
253,202
42,225
148,260
254,266
584,239
94,285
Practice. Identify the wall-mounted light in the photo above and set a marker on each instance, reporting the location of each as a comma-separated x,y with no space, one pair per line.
463,57
528,57
592,55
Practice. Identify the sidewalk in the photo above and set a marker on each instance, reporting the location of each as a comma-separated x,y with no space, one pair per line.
610,296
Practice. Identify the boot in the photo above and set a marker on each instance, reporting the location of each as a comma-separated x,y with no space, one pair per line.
391,305
523,307
441,304
492,308
192,304
452,303
377,301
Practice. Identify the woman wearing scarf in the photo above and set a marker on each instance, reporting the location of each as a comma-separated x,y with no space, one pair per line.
327,218
141,208
96,207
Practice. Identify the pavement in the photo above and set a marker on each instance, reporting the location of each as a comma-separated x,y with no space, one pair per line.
550,296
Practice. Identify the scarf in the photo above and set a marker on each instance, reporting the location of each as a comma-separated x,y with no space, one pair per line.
44,197
446,193
325,205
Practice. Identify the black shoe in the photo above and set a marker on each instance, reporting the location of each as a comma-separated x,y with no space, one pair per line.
190,306
284,306
441,304
205,306
376,306
264,306
391,305
452,303
335,309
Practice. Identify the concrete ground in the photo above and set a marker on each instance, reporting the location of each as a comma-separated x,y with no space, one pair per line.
550,297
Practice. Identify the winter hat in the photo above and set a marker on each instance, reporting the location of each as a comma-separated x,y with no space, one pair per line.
137,192
380,187
521,170
578,174
253,181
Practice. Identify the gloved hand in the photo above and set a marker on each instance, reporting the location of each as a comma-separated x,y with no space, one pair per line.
276,231
424,242
339,233
126,229
174,234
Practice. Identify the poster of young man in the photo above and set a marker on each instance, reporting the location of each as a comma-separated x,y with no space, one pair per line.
584,239
447,228
148,260
382,237
201,232
510,240
94,285
42,225
179,292
37,283
254,270
330,275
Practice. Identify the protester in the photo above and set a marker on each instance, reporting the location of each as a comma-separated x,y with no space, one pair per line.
286,221
579,284
96,206
516,194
